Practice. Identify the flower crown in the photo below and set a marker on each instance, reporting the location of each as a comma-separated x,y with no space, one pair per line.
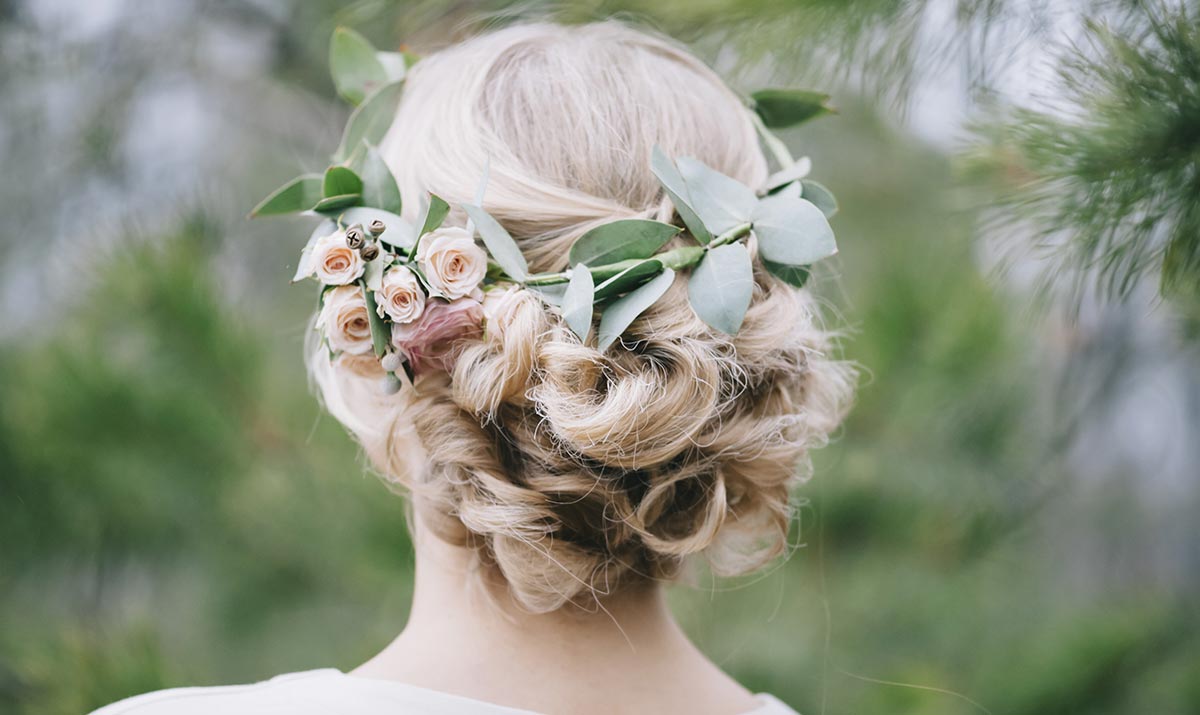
398,298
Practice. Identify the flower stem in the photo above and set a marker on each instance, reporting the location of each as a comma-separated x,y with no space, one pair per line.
676,258
783,157
731,235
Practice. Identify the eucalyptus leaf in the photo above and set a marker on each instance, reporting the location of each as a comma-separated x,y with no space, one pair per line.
672,181
305,267
781,108
394,64
373,273
795,275
624,310
499,243
792,231
355,67
435,214
553,293
341,181
379,333
785,176
720,287
398,232
628,279
819,195
721,202
333,203
371,120
480,189
299,194
379,186
621,240
792,190
578,300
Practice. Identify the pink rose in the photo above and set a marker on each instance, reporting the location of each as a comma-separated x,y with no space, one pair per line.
433,340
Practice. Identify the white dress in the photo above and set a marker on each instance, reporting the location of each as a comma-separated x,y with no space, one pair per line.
329,691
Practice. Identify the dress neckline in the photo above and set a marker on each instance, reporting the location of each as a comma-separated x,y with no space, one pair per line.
768,704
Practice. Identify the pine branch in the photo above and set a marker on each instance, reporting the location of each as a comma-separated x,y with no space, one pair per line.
1108,178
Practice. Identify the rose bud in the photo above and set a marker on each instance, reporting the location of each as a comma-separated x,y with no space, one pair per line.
377,227
354,237
392,362
370,251
390,384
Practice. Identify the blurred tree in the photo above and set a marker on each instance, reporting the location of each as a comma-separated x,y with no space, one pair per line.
173,509
1106,173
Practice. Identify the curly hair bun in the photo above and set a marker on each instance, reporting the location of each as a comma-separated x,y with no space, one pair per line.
569,471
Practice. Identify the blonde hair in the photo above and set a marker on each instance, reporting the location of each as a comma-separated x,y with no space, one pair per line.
570,472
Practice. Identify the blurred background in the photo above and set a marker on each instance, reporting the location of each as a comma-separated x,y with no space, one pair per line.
1006,524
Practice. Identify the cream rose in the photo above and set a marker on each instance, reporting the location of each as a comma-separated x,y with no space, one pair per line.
452,261
334,262
345,322
400,295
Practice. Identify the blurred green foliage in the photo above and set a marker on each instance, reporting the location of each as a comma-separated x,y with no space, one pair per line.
175,510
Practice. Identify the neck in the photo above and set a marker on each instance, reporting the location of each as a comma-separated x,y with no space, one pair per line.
459,640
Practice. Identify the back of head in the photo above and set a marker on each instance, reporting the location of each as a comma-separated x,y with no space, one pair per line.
569,471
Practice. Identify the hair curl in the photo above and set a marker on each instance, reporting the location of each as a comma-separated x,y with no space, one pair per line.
569,471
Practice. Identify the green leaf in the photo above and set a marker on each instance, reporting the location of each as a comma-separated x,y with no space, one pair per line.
371,120
304,268
399,233
796,171
628,279
621,240
553,293
578,300
379,334
333,203
623,311
503,248
373,273
820,196
379,186
721,202
780,108
720,287
394,64
672,181
356,70
299,194
435,214
795,275
340,181
792,231
791,190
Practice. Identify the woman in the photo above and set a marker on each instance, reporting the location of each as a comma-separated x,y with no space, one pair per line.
556,487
